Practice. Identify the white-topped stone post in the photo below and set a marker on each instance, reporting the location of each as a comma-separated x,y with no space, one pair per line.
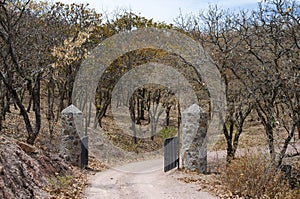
71,134
194,140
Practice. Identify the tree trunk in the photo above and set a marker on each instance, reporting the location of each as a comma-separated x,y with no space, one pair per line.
229,136
61,92
138,121
102,111
286,143
70,91
266,121
50,102
156,114
142,115
132,116
178,121
298,128
236,142
148,103
152,130
30,90
21,107
37,110
270,136
168,115
30,102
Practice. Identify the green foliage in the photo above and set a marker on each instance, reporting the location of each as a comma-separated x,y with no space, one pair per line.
130,21
59,182
110,135
167,132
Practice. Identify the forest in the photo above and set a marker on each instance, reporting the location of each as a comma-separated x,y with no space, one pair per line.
257,52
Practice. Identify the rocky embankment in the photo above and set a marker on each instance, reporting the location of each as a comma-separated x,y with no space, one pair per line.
25,170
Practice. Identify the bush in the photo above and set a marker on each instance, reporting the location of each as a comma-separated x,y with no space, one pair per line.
252,176
167,132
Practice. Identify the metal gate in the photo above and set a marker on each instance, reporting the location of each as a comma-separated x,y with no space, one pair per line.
171,158
84,152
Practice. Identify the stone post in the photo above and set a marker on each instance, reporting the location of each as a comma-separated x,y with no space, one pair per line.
194,140
71,134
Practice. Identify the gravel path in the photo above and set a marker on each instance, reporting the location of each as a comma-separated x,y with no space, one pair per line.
146,179
141,180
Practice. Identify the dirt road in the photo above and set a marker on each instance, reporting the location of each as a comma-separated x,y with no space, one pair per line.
146,180
141,180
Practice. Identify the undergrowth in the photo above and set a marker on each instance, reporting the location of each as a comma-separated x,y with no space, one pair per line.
253,176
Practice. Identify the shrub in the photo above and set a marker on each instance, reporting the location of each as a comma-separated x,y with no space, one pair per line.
167,132
252,176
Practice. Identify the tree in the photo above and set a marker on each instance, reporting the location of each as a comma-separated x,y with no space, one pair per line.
216,30
124,21
80,28
270,73
43,45
24,58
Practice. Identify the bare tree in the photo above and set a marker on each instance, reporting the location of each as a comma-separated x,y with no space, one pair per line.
270,70
216,29
23,58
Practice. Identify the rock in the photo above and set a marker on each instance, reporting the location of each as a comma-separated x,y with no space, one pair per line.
26,147
25,170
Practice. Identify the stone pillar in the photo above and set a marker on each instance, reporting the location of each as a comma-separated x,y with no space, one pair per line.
71,134
194,140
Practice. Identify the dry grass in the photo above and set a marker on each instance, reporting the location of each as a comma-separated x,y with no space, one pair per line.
120,134
252,176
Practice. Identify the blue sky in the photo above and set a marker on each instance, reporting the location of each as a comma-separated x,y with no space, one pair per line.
164,10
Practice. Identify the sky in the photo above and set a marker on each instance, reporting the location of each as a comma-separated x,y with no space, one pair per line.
163,10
